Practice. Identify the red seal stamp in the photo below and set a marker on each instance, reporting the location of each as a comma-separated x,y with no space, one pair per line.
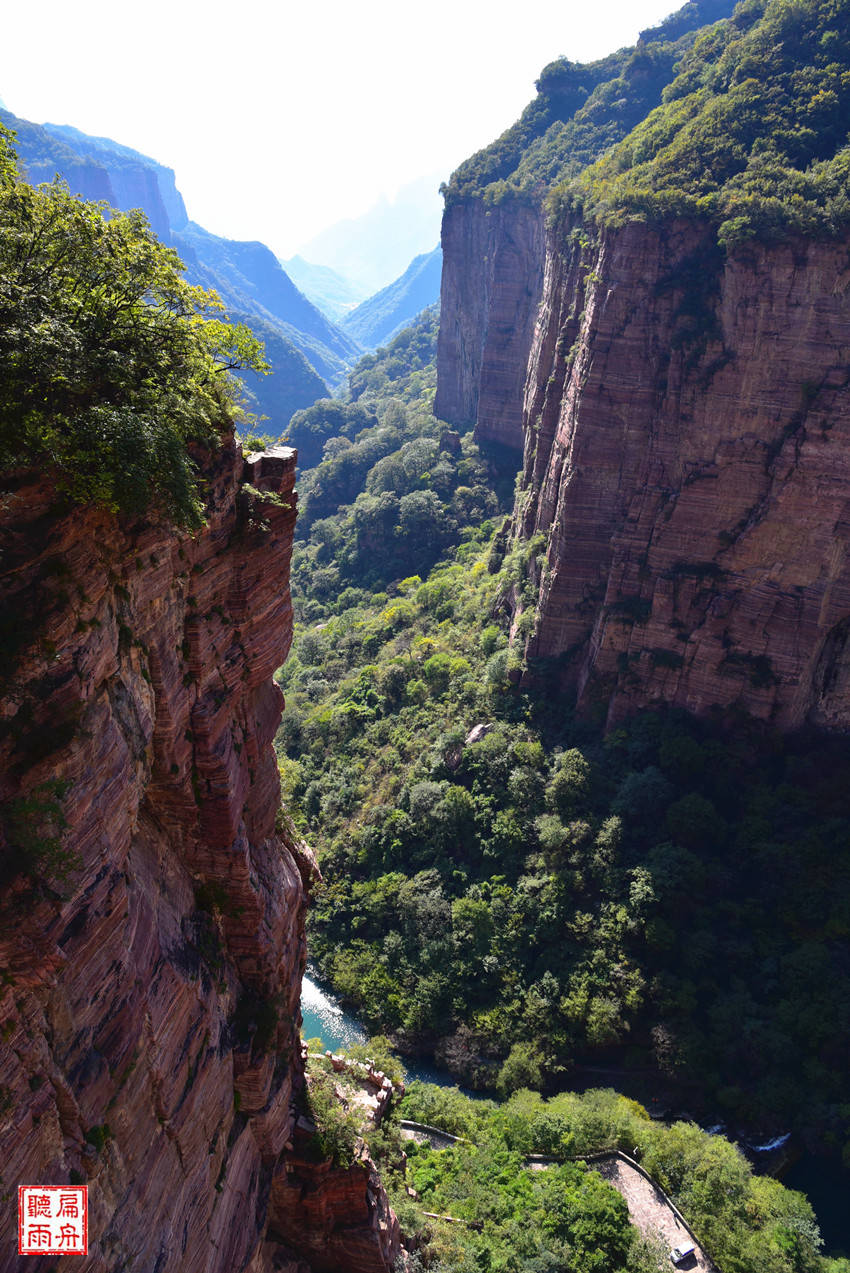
53,1220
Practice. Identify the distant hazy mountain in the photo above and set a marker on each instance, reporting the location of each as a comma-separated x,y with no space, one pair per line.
380,317
334,295
307,351
248,277
375,248
125,168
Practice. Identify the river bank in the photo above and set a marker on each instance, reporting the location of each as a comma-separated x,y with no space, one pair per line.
825,1182
323,1017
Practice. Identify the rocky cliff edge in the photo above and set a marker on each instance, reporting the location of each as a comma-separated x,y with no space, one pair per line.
687,427
153,894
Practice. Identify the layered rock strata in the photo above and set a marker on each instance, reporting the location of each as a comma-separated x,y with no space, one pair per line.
149,1009
687,428
490,292
338,1217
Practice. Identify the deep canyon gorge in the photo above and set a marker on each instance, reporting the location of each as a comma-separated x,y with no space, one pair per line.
606,489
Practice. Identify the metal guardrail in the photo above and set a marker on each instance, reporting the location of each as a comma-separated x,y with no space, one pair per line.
432,1131
544,1159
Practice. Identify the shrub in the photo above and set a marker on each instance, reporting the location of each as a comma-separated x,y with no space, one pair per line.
337,1131
36,825
522,1068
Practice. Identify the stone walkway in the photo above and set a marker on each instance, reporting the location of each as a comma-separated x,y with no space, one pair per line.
425,1135
650,1211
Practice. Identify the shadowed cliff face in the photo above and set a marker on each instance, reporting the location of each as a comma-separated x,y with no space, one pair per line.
686,431
152,996
491,285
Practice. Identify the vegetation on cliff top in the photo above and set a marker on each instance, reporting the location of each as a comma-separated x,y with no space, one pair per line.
741,122
580,110
303,349
752,132
113,366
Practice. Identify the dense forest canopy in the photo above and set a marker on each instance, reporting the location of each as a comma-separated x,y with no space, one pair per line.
113,366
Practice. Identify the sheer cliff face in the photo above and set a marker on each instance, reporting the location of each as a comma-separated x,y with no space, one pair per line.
150,1003
686,432
491,283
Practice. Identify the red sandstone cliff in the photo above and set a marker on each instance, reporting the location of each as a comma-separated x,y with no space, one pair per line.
149,1004
687,428
491,283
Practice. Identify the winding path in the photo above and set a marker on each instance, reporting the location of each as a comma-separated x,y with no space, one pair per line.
423,1134
650,1210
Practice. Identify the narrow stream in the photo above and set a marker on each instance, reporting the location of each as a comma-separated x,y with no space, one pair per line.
324,1018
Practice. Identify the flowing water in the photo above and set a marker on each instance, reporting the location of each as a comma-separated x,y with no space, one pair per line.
324,1018
827,1187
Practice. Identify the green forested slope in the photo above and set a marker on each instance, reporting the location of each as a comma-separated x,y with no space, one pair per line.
394,487
580,110
377,319
743,122
538,897
251,280
753,132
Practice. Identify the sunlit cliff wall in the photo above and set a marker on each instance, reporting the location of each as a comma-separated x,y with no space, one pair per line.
149,1012
491,286
686,421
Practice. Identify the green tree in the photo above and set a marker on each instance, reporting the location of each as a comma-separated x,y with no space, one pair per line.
522,1068
113,366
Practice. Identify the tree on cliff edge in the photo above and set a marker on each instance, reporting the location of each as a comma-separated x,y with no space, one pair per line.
113,366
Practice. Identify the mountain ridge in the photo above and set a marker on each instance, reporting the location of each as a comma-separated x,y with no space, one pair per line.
309,352
329,290
374,248
382,316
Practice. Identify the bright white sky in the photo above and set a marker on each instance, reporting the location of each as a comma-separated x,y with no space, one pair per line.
283,118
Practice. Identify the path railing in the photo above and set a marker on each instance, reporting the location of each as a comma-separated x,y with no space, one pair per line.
545,1160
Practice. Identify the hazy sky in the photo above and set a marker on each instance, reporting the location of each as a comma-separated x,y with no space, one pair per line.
280,118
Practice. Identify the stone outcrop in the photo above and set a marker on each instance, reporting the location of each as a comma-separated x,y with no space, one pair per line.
687,427
375,1090
491,283
338,1217
149,1000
